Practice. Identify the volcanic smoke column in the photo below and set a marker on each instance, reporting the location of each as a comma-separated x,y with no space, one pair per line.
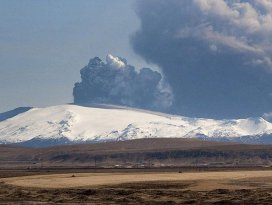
116,82
215,54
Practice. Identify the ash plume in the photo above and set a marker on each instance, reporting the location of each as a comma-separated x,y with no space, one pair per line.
116,82
215,54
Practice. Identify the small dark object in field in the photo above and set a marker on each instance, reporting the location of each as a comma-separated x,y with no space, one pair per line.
180,172
88,192
73,175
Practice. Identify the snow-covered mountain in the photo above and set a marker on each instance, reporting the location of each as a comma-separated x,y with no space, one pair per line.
72,124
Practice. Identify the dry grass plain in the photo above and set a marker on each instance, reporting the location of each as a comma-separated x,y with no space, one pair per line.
148,172
210,187
220,179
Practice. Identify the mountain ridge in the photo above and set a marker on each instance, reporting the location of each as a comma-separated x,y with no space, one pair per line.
69,124
13,113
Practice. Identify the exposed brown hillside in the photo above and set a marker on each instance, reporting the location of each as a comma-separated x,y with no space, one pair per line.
139,153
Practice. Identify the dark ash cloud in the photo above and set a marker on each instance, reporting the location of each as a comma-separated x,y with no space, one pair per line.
116,82
215,54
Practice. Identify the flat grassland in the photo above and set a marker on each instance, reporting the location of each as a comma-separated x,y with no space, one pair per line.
147,171
221,179
209,187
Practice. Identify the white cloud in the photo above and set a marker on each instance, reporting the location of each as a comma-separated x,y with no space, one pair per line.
241,14
115,62
245,26
216,7
266,4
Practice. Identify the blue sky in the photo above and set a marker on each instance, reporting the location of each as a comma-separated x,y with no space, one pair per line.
44,44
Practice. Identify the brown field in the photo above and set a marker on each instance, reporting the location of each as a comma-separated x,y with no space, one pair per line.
148,171
209,187
101,179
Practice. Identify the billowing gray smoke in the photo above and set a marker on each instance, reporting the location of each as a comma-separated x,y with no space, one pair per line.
215,54
116,82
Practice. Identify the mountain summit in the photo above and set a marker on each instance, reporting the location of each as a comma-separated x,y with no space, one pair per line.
78,124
